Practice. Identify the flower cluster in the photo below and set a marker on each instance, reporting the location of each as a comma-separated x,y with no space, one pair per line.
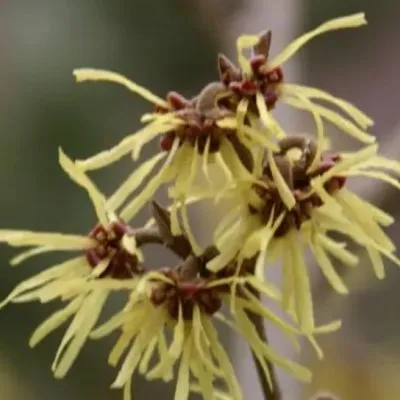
284,194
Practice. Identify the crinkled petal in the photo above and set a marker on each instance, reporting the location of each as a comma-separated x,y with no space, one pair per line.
133,181
79,177
90,74
313,93
242,43
351,21
55,320
283,189
57,241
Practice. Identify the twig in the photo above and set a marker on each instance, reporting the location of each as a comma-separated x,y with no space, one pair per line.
269,392
148,235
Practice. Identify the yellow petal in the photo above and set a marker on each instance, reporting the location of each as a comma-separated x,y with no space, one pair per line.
223,360
242,43
377,263
258,137
337,250
155,129
54,321
145,361
149,330
328,328
357,158
59,271
133,181
57,241
334,118
264,351
313,93
241,111
29,253
283,189
144,196
266,116
376,175
128,390
182,384
303,296
328,269
198,332
174,352
90,74
109,156
111,325
79,177
351,21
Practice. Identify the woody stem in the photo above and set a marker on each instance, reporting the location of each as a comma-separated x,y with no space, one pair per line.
270,392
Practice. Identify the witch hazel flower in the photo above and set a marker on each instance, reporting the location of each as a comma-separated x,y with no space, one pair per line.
195,134
109,261
188,306
259,84
164,302
291,209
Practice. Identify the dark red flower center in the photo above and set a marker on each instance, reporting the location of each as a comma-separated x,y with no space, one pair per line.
187,295
122,264
298,179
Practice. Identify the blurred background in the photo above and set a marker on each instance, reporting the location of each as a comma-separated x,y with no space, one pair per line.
164,45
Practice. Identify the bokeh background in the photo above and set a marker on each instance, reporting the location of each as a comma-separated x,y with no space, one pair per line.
172,44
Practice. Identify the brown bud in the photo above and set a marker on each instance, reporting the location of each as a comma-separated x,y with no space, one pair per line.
177,101
228,71
208,97
264,44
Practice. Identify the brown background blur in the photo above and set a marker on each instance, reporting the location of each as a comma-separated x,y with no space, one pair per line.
172,44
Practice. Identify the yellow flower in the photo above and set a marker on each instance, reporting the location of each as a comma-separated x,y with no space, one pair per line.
162,302
259,84
187,306
194,134
110,261
291,209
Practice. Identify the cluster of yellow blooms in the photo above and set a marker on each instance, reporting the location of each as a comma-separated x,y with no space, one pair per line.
286,194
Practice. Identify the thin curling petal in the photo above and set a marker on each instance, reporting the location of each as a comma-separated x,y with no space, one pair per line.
79,177
25,255
348,163
241,112
133,142
285,192
90,313
242,43
152,186
351,21
313,93
57,241
265,115
334,118
161,125
302,286
89,74
56,320
328,269
133,182
107,157
319,127
265,352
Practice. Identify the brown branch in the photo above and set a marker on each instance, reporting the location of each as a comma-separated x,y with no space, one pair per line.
145,236
179,245
269,393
